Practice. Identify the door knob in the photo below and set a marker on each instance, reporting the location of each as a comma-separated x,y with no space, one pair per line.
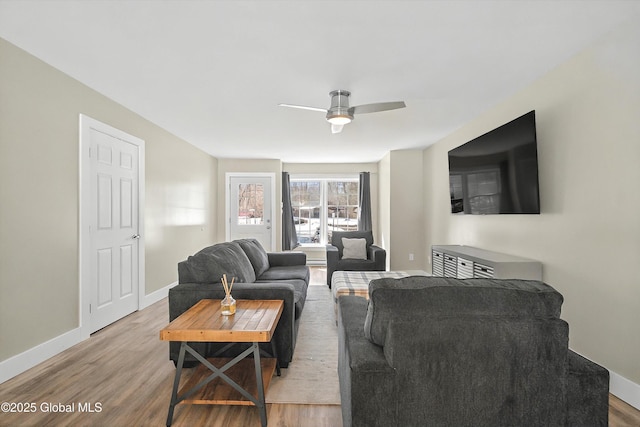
135,236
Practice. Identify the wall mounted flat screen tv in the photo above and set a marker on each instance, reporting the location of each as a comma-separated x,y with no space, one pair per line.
497,173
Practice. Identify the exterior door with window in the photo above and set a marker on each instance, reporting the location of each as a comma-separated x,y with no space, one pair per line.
250,205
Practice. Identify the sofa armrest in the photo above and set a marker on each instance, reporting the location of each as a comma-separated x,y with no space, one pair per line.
333,256
368,387
185,295
379,255
587,392
284,259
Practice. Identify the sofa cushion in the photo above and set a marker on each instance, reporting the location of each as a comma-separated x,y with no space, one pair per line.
297,275
300,272
256,254
354,248
299,291
402,299
300,294
210,264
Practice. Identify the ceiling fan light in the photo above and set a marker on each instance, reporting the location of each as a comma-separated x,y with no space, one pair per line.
339,119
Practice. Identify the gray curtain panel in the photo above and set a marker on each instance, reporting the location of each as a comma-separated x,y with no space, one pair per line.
289,236
364,213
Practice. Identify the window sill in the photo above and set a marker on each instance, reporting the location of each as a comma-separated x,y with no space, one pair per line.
312,246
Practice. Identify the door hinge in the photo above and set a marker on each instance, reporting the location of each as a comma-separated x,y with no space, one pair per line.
89,308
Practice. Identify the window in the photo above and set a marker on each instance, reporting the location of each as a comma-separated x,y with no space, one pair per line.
322,205
306,204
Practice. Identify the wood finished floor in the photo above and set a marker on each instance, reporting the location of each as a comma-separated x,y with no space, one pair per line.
125,369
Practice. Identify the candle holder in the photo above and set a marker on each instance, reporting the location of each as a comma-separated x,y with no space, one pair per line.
228,305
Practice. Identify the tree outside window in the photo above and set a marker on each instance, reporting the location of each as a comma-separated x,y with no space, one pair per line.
342,206
250,204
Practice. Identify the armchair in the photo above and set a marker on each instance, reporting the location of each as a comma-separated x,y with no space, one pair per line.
375,260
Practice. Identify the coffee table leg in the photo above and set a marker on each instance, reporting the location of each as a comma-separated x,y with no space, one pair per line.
274,351
262,407
176,383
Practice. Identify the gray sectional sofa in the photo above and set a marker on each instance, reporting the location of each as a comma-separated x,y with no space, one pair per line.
448,352
259,275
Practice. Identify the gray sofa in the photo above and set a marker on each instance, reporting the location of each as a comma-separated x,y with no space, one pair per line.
259,275
428,351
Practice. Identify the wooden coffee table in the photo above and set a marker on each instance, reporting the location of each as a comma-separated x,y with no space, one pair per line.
254,322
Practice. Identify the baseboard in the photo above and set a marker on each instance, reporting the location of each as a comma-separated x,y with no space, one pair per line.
156,296
24,361
621,387
34,356
624,389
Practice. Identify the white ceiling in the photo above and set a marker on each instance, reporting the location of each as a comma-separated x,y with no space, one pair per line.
213,72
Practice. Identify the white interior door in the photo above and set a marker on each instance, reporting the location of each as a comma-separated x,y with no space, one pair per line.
113,225
250,206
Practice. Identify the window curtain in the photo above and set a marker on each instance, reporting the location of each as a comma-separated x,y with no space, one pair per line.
364,213
289,236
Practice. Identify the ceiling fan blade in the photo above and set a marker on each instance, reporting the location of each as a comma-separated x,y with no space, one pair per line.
303,107
336,128
378,106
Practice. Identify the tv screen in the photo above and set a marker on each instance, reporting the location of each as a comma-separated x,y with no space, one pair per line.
497,173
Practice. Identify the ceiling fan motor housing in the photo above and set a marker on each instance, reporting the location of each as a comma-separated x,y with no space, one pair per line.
339,108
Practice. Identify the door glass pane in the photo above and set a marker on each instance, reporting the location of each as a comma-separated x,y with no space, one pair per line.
250,204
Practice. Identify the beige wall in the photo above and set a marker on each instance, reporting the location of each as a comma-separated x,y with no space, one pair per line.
181,184
39,198
588,235
402,213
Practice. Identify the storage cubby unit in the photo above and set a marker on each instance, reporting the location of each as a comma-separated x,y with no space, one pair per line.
465,262
437,263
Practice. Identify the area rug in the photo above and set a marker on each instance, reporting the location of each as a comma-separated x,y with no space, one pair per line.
312,375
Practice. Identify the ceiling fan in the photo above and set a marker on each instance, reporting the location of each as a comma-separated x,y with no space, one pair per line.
339,113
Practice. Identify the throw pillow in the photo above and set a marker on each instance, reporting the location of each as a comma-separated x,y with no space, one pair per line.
354,248
256,254
208,265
